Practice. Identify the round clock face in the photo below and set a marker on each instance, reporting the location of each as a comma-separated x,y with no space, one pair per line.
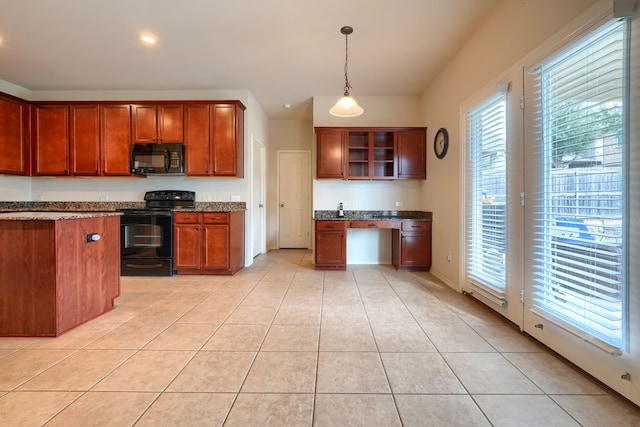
441,143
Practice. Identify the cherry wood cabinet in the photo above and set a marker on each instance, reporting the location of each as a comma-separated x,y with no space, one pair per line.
209,242
56,278
14,136
51,140
371,153
214,139
411,243
411,250
330,153
331,245
227,139
115,139
412,154
84,136
157,123
196,139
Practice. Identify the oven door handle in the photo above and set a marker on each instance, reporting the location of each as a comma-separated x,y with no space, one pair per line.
142,266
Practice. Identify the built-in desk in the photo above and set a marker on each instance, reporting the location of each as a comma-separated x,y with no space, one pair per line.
411,237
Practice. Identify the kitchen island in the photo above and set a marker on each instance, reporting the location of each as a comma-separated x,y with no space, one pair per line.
57,270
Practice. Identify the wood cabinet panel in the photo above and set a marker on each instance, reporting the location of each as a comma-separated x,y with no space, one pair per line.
143,124
55,280
330,245
51,139
196,139
170,123
330,151
187,246
115,139
85,140
411,249
156,123
209,243
14,136
227,140
412,154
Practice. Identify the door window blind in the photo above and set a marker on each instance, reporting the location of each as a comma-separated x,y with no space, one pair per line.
579,239
486,210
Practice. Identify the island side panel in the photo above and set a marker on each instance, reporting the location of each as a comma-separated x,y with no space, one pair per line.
88,272
27,278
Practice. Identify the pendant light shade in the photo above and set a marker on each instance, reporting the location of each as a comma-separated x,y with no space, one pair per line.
346,106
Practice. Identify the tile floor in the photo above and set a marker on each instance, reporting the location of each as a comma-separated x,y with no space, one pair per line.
280,344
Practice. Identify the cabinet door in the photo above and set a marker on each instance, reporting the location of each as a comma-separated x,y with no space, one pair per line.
330,249
215,247
143,124
412,154
85,140
227,140
186,247
51,139
115,139
170,123
14,122
196,140
330,153
415,250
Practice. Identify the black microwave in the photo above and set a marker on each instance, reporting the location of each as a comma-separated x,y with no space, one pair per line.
157,159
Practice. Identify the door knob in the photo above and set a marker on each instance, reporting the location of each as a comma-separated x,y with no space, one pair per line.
282,205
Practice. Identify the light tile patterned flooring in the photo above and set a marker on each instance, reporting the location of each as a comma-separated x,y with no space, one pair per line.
280,344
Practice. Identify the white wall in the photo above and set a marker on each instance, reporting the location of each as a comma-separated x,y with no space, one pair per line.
513,30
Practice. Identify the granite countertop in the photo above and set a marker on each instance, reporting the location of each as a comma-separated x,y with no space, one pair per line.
109,206
373,215
53,216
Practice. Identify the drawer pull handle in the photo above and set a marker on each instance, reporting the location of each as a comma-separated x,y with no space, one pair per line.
331,226
371,225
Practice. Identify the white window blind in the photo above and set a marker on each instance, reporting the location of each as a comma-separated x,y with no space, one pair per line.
579,238
486,212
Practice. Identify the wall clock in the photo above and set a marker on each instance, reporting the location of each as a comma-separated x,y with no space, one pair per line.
441,143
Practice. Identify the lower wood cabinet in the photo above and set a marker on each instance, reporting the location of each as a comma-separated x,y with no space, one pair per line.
411,243
411,249
209,242
331,245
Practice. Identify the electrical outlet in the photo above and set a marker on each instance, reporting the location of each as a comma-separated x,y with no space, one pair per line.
103,198
399,204
206,198
235,198
217,198
358,203
38,197
449,256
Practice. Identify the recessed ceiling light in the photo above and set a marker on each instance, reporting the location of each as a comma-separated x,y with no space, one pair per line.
148,38
287,105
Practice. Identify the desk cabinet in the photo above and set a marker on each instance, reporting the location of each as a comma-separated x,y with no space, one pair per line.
331,245
411,250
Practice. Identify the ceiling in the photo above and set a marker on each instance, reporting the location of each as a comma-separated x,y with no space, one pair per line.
282,51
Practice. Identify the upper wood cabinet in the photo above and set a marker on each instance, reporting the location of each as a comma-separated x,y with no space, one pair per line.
330,153
14,136
85,140
51,139
412,154
196,139
214,139
371,153
157,123
227,139
115,139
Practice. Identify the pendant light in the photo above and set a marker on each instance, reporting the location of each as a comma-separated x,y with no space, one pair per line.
346,106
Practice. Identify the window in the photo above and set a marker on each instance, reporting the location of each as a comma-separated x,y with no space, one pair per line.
579,238
486,175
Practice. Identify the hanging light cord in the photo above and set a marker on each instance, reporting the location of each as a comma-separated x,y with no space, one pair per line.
346,31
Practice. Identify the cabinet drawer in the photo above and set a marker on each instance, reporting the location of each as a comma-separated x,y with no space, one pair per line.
375,224
186,218
416,225
330,225
215,218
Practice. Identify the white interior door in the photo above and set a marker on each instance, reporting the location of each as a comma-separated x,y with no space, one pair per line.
293,199
257,200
